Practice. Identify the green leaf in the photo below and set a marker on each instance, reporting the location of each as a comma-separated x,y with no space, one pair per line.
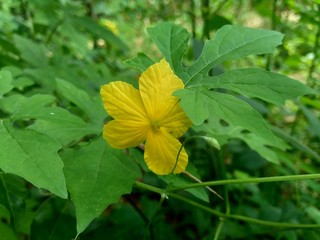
189,100
32,52
172,40
22,82
226,107
199,193
239,113
7,232
310,102
31,107
258,143
313,213
97,176
184,179
49,119
231,43
8,103
261,145
71,128
258,83
5,82
140,62
92,107
33,156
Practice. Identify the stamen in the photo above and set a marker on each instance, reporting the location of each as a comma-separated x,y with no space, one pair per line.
156,125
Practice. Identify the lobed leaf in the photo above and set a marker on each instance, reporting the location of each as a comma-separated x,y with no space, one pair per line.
257,83
190,98
231,43
140,62
226,107
258,143
239,113
172,40
33,156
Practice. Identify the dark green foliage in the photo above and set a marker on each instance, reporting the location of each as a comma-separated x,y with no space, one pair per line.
251,119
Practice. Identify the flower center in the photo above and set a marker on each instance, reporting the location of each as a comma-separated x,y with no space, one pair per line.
155,124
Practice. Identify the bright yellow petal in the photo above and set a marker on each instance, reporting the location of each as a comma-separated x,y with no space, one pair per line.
123,102
161,150
176,122
124,134
156,86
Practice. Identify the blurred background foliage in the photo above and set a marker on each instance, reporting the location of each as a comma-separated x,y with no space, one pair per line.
86,42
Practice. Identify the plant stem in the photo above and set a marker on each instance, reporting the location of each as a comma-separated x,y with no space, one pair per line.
165,193
273,27
223,175
243,218
249,180
142,185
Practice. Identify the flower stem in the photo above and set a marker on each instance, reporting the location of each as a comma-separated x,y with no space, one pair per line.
182,145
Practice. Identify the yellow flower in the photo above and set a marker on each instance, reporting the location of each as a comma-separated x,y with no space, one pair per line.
112,26
150,114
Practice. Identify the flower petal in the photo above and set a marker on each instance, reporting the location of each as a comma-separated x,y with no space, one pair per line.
161,150
156,86
176,122
124,134
123,102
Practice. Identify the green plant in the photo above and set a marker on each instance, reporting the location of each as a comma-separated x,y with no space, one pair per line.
249,143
